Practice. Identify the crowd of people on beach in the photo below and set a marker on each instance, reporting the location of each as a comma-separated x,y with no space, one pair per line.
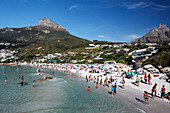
102,75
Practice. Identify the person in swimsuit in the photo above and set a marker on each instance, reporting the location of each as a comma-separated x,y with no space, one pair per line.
146,97
97,85
44,77
113,90
149,79
154,90
86,79
137,80
33,83
115,87
123,83
145,78
5,80
22,82
163,91
88,89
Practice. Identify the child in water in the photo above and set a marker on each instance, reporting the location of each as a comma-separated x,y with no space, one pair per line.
89,89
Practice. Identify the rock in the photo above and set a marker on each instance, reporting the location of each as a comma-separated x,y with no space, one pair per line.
46,23
156,35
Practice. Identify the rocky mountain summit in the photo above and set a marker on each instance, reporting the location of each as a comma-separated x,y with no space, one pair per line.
156,35
46,23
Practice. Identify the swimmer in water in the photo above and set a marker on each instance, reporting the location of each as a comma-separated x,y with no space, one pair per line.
29,77
22,82
5,80
19,76
44,77
33,83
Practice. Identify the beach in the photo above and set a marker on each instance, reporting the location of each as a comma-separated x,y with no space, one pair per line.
131,95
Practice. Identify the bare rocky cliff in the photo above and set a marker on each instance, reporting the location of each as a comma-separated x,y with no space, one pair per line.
156,35
48,24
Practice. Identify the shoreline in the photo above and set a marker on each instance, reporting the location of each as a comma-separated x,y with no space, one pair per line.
131,93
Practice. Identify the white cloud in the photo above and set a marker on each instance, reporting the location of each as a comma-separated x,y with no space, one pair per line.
135,5
73,7
104,37
141,5
131,37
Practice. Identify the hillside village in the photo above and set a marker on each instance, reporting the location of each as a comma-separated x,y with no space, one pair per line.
125,53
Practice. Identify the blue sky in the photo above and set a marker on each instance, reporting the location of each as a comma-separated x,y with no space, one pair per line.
109,20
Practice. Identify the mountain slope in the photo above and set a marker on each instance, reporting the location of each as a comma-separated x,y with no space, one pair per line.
46,34
156,35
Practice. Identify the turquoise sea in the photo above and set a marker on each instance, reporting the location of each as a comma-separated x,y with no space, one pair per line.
64,94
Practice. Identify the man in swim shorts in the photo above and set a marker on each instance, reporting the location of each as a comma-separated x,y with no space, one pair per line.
163,91
113,90
146,97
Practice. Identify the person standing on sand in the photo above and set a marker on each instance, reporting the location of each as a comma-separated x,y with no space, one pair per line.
149,79
115,87
137,81
123,82
101,81
104,83
145,78
86,79
113,90
146,97
154,90
163,91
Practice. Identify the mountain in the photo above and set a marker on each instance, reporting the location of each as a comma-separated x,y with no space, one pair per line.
46,34
156,35
46,23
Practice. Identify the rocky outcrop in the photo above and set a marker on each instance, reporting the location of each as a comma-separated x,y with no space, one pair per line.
156,35
48,24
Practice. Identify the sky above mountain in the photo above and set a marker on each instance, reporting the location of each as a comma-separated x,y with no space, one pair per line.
109,20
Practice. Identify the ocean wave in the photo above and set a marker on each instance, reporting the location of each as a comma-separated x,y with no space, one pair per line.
140,110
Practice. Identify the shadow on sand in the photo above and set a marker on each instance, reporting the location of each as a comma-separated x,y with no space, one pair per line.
139,100
120,86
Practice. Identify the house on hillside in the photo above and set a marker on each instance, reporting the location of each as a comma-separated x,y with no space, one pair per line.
72,53
136,52
124,50
50,56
